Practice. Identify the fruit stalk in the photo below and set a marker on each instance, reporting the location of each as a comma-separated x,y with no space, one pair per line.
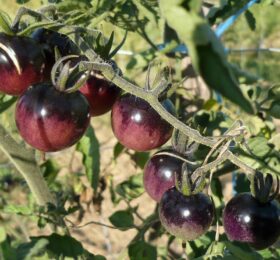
150,96
109,73
24,161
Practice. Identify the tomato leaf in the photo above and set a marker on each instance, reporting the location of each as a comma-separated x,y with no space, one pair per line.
89,147
18,209
31,249
8,102
142,250
206,51
118,149
140,158
22,1
56,246
242,251
251,20
122,219
50,170
5,23
259,146
132,188
226,10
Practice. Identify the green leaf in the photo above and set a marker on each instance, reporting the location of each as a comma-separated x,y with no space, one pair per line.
242,251
275,140
118,47
3,235
7,251
243,77
4,105
142,250
206,51
122,219
251,20
226,10
50,170
22,1
259,146
140,158
217,194
18,209
56,246
132,188
210,63
214,251
118,149
242,183
146,9
89,147
5,23
32,249
28,30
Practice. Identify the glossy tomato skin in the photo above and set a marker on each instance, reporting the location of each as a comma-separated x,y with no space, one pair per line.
27,66
49,40
159,173
137,125
186,217
50,120
101,94
248,220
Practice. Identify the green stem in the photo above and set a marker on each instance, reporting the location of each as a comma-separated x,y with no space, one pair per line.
24,161
108,72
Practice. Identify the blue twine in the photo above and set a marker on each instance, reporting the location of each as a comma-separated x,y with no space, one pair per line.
229,22
220,30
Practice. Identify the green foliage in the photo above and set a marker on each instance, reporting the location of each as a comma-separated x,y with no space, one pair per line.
227,9
89,147
250,20
132,188
5,23
148,24
142,250
56,246
206,51
122,219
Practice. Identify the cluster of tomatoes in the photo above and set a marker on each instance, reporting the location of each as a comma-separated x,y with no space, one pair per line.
50,119
245,218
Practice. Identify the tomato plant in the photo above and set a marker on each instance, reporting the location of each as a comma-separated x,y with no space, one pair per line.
131,130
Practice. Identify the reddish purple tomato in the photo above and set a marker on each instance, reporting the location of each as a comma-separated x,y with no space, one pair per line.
186,217
101,94
248,220
50,120
137,125
160,172
22,63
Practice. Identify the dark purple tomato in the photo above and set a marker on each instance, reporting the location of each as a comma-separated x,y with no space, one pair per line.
22,63
101,94
248,220
137,125
49,40
50,120
159,174
186,217
54,39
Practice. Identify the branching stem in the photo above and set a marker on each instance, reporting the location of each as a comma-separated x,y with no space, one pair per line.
32,176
